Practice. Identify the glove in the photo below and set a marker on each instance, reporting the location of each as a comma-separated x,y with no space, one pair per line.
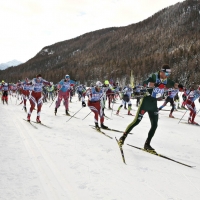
83,104
180,86
160,85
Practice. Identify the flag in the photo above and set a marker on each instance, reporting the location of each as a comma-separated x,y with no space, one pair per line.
132,80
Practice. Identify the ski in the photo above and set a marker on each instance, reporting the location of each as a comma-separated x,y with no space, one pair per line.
41,124
107,117
119,115
130,114
160,155
71,116
190,123
30,123
101,132
121,151
111,129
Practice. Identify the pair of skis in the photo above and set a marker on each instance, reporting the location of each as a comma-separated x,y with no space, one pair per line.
31,123
151,152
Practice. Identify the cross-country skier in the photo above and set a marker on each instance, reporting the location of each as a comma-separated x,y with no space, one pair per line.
95,95
192,96
64,92
35,97
25,87
170,99
156,84
5,89
126,99
81,90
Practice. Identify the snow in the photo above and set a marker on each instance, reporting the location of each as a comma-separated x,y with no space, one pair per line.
73,161
13,63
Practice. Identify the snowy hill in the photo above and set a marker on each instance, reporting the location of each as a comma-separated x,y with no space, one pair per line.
9,64
72,161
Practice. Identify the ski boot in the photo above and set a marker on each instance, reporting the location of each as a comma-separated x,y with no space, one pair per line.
29,117
67,113
117,113
189,120
25,109
83,104
148,147
103,126
195,123
129,113
97,126
121,140
55,111
171,116
38,119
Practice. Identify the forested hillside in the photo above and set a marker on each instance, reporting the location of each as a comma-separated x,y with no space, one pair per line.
170,36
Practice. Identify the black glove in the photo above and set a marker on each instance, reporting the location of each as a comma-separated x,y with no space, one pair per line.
156,84
180,86
83,104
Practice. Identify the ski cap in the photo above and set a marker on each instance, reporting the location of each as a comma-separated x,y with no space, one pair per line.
99,84
166,68
2,81
38,76
106,82
67,76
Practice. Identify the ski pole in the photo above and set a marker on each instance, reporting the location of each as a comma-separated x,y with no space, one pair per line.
74,114
86,115
16,100
52,102
10,99
182,116
112,109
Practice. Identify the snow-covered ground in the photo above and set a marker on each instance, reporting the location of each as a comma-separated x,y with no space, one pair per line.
73,161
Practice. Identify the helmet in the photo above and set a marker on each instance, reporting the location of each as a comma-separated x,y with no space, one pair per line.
51,83
2,81
6,84
99,84
106,82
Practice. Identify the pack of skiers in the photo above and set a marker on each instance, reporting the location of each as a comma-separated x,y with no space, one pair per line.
96,96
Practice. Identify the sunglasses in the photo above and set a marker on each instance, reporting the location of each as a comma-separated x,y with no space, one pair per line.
167,73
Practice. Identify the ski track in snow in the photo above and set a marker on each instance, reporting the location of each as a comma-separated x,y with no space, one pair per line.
73,161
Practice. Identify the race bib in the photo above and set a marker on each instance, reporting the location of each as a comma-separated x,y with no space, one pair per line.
157,93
